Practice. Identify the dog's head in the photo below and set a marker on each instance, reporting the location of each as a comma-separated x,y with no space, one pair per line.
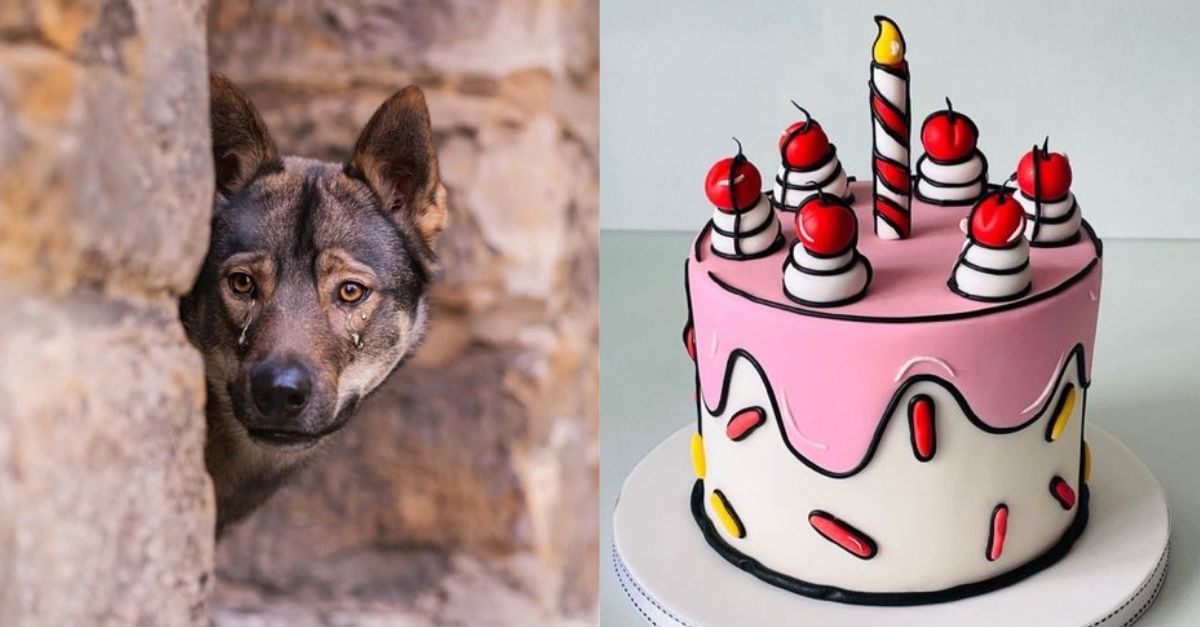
313,289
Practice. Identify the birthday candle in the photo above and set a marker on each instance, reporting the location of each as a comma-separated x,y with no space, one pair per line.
891,125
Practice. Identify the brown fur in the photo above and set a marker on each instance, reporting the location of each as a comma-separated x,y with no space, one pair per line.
301,229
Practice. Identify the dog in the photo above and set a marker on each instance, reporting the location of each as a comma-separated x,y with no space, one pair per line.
314,288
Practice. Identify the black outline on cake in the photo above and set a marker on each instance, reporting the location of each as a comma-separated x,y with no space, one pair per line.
952,282
1058,407
856,597
912,428
1037,204
788,260
830,153
902,73
1076,353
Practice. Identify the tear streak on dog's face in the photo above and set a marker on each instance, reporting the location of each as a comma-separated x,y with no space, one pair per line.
314,286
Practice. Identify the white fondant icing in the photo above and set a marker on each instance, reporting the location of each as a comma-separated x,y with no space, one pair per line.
998,258
929,519
750,220
1051,231
883,190
1055,209
952,174
751,245
893,88
809,177
790,197
984,285
888,146
885,230
824,288
803,258
963,194
908,365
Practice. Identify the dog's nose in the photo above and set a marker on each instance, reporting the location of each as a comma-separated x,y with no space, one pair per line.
280,389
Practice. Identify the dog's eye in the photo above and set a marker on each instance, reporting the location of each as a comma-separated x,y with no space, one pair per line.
351,292
241,283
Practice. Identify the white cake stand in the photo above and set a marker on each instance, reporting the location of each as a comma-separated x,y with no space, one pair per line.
1110,577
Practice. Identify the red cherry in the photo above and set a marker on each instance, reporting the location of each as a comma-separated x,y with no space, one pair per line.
744,178
948,135
1053,174
998,220
808,145
826,226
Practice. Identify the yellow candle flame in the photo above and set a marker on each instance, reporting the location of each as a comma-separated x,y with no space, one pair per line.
889,44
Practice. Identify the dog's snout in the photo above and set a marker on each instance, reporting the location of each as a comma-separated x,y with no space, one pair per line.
280,389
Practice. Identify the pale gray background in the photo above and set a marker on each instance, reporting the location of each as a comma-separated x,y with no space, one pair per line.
1115,84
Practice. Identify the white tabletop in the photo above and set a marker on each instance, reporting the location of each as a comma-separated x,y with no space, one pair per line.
1146,382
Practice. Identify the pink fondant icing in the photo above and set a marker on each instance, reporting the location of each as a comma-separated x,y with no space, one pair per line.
833,379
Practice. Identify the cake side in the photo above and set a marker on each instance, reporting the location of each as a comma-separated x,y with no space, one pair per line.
893,461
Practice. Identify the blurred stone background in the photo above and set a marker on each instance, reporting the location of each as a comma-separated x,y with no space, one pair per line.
106,512
464,492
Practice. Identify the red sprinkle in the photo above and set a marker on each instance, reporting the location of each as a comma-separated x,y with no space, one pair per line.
889,116
689,340
999,530
1062,492
842,534
744,422
924,437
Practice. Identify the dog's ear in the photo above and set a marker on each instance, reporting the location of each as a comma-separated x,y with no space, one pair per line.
240,141
394,154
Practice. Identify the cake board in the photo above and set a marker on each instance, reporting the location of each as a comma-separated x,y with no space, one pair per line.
1110,578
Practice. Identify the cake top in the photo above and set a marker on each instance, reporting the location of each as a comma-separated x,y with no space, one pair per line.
909,275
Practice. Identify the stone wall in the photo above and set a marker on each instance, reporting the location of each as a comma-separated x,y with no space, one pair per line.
464,492
106,513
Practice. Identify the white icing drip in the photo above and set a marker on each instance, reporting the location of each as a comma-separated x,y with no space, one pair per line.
923,358
1041,399
787,410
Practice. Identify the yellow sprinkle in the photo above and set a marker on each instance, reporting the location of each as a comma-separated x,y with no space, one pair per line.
731,524
889,44
698,455
1064,414
1087,461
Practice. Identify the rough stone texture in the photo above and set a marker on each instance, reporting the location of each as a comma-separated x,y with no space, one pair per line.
106,513
464,492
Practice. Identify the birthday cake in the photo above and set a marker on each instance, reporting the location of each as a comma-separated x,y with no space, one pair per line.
892,385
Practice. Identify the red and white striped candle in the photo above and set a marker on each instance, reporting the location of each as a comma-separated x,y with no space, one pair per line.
891,122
